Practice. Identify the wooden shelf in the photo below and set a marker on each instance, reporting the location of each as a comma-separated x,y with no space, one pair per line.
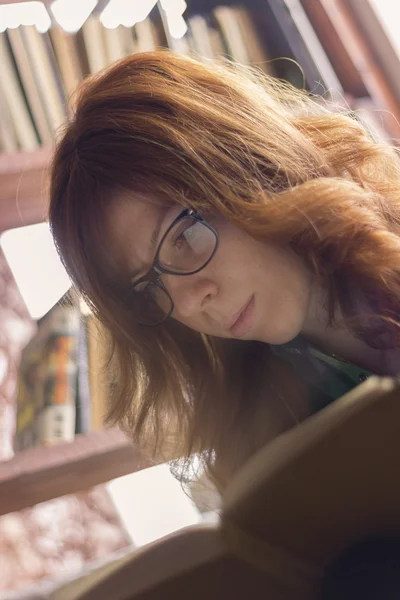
23,181
45,472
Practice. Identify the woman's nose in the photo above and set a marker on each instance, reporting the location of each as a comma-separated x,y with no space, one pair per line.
191,294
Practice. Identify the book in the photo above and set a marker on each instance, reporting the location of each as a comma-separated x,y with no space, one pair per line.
59,367
29,399
83,399
99,379
339,49
46,397
114,44
331,38
217,43
258,55
380,38
8,136
92,31
46,75
293,36
205,38
15,101
82,53
128,43
313,50
146,36
228,23
66,52
34,100
289,514
199,32
357,47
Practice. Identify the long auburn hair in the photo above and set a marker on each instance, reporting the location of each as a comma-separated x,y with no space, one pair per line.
227,140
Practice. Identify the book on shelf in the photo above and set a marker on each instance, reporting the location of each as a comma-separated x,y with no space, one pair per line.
67,55
228,23
29,84
99,372
312,55
115,43
380,38
8,135
14,100
228,31
41,70
330,46
147,36
83,394
335,47
46,73
200,37
297,56
93,35
256,50
358,48
64,379
47,381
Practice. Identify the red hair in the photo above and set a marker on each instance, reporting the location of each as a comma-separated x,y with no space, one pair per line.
268,158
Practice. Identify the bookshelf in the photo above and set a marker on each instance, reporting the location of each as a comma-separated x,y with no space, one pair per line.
321,36
281,26
43,473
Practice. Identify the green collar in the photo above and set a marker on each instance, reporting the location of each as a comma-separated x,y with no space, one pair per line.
328,376
356,374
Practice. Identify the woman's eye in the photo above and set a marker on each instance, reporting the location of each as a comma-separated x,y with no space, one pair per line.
184,237
189,236
141,287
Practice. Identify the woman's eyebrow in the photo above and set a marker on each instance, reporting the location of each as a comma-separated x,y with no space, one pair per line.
153,240
157,228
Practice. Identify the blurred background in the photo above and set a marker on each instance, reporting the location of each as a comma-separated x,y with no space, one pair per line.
70,492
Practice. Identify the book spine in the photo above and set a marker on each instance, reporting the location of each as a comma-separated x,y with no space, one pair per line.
25,430
47,379
29,401
99,376
29,84
57,419
83,401
14,98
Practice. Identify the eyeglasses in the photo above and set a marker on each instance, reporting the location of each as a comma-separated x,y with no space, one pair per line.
186,248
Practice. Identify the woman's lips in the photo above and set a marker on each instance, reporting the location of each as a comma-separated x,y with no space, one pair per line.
244,320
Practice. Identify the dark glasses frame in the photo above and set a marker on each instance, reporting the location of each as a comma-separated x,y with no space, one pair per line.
157,269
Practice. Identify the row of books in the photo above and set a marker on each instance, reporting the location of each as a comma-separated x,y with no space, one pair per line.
336,48
364,56
61,386
41,70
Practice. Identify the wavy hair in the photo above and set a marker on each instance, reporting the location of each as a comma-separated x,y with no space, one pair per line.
230,141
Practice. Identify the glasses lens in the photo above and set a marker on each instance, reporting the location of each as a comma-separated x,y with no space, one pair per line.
151,304
188,246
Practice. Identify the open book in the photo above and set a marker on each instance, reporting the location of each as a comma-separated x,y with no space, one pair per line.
329,483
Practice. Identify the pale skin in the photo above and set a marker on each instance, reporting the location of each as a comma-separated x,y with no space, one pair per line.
268,283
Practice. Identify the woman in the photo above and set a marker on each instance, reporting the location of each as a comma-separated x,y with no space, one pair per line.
239,242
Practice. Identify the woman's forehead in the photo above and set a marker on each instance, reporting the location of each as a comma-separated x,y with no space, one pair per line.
130,224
